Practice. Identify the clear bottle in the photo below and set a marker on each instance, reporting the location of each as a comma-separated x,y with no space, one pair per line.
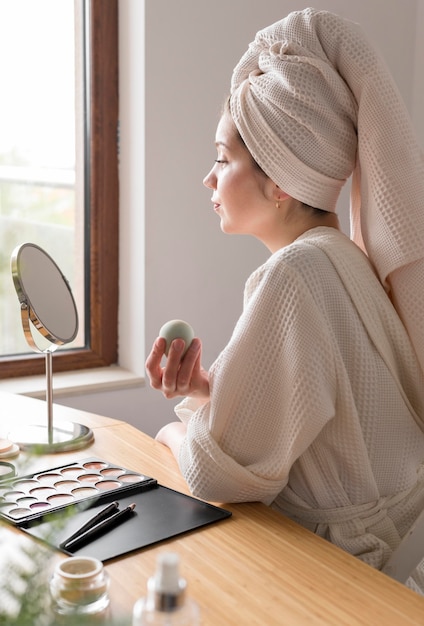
166,603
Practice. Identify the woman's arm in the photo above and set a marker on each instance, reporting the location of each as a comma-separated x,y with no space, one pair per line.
272,392
172,435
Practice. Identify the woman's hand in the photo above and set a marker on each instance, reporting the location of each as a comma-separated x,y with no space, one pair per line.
181,376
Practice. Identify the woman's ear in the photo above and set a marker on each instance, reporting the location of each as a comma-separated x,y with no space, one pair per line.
278,195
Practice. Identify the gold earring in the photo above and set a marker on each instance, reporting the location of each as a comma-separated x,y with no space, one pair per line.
277,205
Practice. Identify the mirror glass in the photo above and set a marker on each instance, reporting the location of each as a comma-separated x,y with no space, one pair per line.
44,289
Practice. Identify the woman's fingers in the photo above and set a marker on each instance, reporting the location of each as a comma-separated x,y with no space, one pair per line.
172,366
186,382
180,374
153,363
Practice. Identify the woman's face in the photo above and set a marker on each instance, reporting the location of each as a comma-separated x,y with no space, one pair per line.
242,193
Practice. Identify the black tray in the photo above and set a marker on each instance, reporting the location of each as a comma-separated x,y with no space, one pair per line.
160,513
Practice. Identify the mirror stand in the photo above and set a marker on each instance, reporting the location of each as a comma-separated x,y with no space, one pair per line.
49,395
52,437
62,436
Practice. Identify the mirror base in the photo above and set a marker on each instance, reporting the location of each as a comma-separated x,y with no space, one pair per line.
65,436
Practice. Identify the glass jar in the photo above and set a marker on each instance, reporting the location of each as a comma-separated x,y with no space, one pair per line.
79,585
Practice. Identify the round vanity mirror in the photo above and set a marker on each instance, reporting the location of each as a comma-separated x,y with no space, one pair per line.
45,296
49,319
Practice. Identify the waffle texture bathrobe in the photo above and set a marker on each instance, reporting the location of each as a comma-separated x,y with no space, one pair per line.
317,402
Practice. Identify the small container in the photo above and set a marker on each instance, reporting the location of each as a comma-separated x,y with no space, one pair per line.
166,603
7,470
79,586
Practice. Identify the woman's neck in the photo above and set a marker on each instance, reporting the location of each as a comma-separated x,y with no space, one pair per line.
295,221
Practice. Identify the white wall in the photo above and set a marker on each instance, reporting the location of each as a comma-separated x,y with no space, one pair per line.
184,266
418,86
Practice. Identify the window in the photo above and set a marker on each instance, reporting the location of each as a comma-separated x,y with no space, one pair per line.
89,236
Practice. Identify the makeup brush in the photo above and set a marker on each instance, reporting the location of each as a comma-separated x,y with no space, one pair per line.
82,538
93,521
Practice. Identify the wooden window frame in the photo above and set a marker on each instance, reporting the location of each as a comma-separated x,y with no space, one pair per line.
103,211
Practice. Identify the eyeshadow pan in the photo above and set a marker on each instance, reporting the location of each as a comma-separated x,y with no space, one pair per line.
39,505
25,484
66,484
82,492
6,506
60,498
48,478
72,472
131,478
25,500
19,512
88,478
12,495
95,465
42,492
111,471
105,485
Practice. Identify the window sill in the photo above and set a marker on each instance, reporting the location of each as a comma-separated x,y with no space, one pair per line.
74,383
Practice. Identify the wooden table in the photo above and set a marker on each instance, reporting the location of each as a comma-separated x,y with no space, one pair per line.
255,568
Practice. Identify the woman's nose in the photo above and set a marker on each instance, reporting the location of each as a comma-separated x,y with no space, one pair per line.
209,180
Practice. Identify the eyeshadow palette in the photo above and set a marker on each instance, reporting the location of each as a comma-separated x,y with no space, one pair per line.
79,484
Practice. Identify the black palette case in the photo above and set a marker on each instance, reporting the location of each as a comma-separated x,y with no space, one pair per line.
53,504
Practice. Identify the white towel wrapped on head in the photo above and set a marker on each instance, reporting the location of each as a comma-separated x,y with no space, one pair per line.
315,103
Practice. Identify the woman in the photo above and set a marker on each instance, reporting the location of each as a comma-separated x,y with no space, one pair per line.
316,405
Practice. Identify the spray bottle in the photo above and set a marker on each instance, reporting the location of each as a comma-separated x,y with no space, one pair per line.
166,603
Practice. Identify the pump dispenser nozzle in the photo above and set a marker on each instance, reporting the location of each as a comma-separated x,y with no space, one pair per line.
166,602
166,586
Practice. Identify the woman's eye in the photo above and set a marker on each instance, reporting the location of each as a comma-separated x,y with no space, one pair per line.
219,161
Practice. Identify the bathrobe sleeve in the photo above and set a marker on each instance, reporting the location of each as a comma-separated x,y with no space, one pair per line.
273,389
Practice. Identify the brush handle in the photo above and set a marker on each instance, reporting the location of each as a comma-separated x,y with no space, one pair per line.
100,529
